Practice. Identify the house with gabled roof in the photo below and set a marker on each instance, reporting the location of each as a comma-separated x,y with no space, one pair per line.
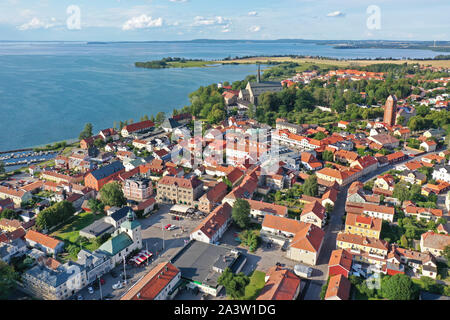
363,225
434,243
43,242
281,284
137,127
364,249
340,263
314,212
211,229
213,197
302,241
338,288
158,284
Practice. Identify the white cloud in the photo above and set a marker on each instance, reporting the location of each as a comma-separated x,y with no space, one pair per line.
253,13
201,21
254,29
178,0
35,23
142,22
336,14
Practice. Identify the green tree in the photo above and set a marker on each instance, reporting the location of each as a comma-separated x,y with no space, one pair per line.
99,143
7,280
2,167
401,192
9,214
87,131
310,187
96,205
54,215
446,253
102,239
324,288
234,283
327,155
160,117
111,194
250,239
404,241
398,287
241,213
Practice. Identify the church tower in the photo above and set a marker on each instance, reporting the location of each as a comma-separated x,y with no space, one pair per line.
390,110
258,76
133,228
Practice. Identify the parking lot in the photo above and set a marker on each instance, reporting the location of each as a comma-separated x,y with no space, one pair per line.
263,258
163,244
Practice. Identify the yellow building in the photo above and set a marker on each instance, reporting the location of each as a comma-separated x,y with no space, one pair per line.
413,177
363,225
364,249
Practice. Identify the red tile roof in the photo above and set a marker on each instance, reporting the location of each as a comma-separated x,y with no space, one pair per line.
215,220
180,182
139,126
268,207
281,285
342,258
338,287
42,239
152,283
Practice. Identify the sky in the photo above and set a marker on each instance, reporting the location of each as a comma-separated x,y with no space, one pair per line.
158,20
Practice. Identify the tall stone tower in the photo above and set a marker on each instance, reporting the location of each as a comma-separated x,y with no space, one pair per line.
258,76
390,110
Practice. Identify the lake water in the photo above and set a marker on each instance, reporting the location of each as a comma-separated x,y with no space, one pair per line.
49,90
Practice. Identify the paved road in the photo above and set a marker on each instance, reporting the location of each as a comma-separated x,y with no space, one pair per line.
333,227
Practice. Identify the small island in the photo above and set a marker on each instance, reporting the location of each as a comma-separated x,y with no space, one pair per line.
174,63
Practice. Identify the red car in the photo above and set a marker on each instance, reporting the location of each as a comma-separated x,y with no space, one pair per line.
168,226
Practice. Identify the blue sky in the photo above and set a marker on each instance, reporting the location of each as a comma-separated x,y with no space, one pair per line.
141,20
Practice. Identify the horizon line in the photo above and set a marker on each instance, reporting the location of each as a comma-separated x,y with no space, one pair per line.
241,40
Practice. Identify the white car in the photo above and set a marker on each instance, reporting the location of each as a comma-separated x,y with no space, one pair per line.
90,290
172,227
117,285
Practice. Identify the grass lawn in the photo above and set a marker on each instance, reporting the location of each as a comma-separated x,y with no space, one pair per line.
71,231
253,289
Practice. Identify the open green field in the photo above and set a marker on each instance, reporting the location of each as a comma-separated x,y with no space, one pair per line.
339,63
253,289
70,232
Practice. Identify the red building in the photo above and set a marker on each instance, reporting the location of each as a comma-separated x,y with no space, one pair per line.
390,110
340,263
98,178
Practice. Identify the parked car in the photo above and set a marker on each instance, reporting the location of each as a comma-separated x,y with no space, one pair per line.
91,290
80,297
117,285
